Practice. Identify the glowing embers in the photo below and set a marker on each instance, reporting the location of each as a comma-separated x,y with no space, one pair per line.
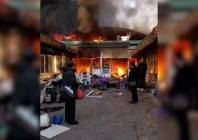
71,37
58,37
99,39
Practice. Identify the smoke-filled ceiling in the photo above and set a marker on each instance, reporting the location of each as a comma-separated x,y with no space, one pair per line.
66,16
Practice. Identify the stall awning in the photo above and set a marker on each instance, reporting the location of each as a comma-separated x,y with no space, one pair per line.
146,42
149,48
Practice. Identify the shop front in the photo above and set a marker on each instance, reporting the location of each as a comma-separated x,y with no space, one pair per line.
53,56
147,50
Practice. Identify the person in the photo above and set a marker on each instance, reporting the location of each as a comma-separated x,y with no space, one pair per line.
26,93
88,77
142,68
180,93
69,79
132,79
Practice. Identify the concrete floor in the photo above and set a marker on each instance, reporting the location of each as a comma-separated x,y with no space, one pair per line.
113,118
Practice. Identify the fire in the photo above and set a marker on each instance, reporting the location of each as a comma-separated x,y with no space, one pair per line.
58,37
100,39
87,69
120,71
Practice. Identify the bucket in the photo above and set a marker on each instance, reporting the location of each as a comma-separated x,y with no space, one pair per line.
44,120
57,119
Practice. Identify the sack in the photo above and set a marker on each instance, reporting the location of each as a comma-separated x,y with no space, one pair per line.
80,94
67,92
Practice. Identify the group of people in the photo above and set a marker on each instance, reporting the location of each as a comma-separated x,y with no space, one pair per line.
136,79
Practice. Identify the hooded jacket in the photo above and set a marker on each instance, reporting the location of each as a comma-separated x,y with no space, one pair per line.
133,74
26,93
69,79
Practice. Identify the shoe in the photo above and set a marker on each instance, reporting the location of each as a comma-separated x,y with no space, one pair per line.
133,102
73,123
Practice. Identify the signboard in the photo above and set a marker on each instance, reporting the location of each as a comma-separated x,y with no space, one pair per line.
106,73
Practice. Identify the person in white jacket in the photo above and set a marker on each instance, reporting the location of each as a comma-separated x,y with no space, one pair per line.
88,77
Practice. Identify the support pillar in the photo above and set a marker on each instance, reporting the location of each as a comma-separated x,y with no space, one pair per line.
101,56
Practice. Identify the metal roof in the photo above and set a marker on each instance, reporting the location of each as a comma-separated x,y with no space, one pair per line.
131,42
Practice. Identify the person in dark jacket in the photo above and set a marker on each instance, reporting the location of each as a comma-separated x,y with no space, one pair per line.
180,92
133,77
69,79
142,68
26,94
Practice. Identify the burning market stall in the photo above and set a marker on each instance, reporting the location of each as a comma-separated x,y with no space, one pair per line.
109,59
53,55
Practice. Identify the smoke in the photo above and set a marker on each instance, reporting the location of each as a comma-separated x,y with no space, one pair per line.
58,16
139,15
66,16
87,15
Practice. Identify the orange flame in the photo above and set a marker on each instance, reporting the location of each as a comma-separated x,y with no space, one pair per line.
120,71
87,69
58,37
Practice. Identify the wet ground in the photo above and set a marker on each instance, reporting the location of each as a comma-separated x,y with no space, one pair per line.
113,118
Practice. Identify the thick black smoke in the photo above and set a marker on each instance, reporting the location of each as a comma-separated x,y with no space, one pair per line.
63,16
58,16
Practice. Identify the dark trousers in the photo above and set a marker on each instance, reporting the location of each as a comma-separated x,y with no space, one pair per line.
133,90
182,120
141,81
70,109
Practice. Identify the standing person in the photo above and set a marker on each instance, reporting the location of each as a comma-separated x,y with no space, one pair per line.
142,68
180,93
26,94
69,79
133,76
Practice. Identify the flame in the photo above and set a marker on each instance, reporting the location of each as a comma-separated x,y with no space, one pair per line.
120,71
87,69
98,40
58,37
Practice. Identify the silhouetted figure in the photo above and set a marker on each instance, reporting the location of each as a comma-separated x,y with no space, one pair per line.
142,68
180,94
132,79
69,79
26,94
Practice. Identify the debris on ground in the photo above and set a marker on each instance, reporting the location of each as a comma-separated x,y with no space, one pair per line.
53,131
91,92
95,96
99,92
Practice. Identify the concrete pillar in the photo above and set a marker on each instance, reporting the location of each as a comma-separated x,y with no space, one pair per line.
101,56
